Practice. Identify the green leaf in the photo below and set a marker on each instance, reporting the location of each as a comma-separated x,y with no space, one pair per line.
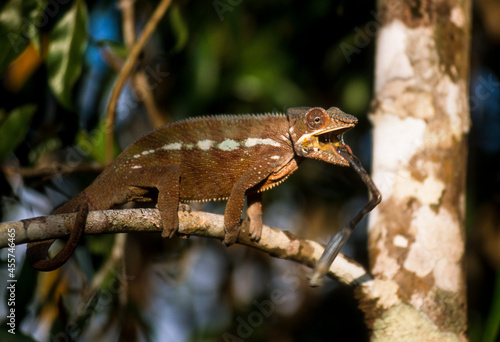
12,43
35,13
179,27
65,55
117,49
18,26
13,128
93,144
492,328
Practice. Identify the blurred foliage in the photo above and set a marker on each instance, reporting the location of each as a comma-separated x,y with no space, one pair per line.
58,61
13,127
67,40
492,326
18,20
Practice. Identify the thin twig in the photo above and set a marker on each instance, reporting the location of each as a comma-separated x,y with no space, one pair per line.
125,73
143,89
139,78
128,17
115,257
56,170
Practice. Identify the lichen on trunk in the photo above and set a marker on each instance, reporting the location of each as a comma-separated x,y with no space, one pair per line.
421,120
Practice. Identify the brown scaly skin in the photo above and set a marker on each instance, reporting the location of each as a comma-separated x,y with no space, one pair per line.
208,158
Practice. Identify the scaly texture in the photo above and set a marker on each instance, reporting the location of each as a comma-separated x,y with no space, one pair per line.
209,158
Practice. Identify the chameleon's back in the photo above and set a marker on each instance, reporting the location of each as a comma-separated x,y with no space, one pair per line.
212,152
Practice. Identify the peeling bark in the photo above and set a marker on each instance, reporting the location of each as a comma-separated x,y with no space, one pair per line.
421,120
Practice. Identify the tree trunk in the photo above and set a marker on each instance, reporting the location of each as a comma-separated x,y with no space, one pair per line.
421,120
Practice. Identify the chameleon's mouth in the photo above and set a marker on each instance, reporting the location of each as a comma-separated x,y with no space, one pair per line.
323,145
327,140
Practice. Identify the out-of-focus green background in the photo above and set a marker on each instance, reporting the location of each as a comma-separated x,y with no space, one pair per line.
58,63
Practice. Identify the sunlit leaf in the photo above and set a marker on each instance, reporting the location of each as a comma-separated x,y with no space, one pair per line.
19,21
34,18
66,48
13,128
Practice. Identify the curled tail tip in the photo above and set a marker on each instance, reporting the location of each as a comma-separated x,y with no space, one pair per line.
37,252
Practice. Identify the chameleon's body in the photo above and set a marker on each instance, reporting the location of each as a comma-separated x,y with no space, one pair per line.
210,158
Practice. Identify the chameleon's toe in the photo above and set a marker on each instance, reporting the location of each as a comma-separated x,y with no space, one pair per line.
184,207
170,221
168,232
255,232
231,236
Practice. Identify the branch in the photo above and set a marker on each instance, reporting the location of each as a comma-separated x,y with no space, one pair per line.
140,82
277,243
126,70
54,170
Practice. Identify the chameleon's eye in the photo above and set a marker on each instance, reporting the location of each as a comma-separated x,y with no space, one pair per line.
315,118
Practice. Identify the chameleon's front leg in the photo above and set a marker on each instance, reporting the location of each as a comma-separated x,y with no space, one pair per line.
234,206
254,213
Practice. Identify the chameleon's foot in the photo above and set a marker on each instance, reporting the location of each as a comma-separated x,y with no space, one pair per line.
231,235
254,212
184,207
170,224
256,229
168,233
169,230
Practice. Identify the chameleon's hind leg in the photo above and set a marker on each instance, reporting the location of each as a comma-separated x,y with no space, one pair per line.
37,252
166,179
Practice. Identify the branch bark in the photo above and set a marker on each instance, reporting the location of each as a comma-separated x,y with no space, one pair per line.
277,243
421,121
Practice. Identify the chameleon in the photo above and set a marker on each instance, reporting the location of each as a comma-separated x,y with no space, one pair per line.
222,157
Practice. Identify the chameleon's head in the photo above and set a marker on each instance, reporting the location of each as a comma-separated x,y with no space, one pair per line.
316,133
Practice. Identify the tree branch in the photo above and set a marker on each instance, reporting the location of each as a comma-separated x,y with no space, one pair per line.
139,78
125,72
54,170
277,243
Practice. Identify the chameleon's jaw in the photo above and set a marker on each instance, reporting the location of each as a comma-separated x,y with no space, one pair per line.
322,145
334,137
